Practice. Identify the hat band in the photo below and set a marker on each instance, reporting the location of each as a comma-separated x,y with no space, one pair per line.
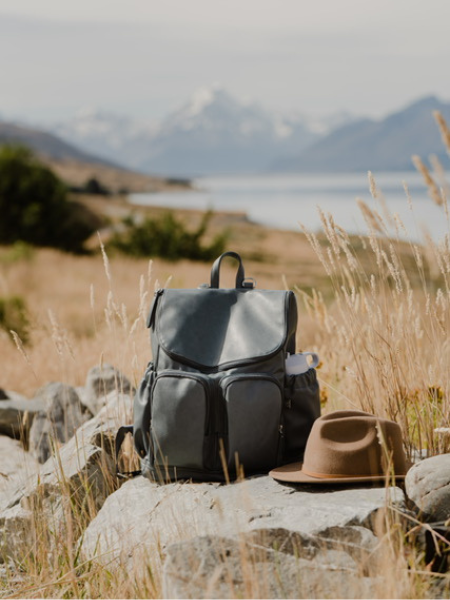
336,475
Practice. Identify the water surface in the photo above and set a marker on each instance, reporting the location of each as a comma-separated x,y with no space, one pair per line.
282,201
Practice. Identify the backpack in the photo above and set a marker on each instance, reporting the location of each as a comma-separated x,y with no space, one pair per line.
216,402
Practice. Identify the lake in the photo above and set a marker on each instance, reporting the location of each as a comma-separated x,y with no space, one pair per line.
282,201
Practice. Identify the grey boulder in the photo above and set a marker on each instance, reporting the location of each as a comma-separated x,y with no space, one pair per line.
100,382
427,484
15,462
17,414
62,413
80,476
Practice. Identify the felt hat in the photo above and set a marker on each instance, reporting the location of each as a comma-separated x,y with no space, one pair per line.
349,446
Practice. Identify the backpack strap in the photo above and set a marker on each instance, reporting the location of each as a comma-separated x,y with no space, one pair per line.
240,276
120,436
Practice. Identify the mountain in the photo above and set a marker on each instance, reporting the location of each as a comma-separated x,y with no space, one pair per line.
212,133
383,145
105,134
45,143
215,133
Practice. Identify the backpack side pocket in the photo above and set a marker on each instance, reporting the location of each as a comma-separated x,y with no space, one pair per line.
301,409
142,412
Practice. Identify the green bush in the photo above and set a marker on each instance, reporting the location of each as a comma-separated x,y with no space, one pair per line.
34,207
167,237
17,252
13,316
92,186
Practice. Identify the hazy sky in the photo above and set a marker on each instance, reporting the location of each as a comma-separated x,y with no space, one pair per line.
146,57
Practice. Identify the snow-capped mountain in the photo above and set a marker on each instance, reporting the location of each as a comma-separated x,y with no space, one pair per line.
212,133
215,133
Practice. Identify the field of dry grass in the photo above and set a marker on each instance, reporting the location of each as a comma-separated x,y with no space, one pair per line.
67,295
376,309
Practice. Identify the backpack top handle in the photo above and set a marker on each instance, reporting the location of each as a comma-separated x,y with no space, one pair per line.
240,275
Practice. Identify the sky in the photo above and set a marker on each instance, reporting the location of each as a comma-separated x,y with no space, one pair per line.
145,58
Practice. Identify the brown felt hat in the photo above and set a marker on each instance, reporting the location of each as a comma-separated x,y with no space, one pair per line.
349,446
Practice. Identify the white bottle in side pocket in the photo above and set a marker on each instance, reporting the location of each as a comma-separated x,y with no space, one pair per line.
301,362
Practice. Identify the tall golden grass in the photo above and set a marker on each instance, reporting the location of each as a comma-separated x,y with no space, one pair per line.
378,314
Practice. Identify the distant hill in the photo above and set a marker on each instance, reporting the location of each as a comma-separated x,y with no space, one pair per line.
76,166
46,144
366,144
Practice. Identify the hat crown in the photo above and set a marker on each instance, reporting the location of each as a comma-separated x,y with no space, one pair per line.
354,444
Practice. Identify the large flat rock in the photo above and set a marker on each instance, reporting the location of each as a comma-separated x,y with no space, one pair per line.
144,516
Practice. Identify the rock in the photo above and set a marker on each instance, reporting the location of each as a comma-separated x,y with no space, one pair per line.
211,567
87,456
61,416
10,576
17,414
427,484
77,479
15,462
84,399
144,516
17,527
102,380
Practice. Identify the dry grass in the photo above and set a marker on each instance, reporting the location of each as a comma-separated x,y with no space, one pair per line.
376,309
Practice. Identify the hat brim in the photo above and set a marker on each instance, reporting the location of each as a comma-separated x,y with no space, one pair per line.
293,473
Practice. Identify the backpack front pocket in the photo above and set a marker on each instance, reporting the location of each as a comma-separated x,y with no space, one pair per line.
181,419
253,406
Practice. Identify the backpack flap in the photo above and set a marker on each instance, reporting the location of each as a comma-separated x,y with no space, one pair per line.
211,328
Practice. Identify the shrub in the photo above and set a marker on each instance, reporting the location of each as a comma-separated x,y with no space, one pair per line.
17,252
168,238
13,316
92,186
34,207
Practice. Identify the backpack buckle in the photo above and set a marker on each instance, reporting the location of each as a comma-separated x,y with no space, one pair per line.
249,283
